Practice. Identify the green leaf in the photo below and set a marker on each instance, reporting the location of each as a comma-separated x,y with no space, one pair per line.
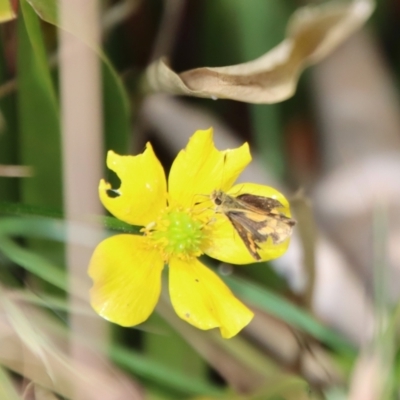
288,312
116,102
267,20
7,386
160,374
6,11
38,115
24,210
49,229
172,351
8,138
45,228
33,263
46,216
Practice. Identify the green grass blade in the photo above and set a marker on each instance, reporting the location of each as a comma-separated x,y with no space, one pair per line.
116,102
33,263
38,115
32,215
160,374
7,387
288,312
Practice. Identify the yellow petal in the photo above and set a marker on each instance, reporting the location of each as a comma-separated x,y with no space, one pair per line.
200,297
126,279
225,242
200,168
142,194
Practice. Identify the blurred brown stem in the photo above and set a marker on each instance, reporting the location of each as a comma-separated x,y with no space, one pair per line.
168,28
81,106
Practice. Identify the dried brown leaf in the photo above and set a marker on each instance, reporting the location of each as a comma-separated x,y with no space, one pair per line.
312,33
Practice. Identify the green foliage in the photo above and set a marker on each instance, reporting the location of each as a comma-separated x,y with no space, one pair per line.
165,360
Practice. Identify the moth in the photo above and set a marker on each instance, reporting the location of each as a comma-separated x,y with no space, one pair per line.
255,218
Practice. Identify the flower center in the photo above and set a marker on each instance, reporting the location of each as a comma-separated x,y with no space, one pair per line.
178,233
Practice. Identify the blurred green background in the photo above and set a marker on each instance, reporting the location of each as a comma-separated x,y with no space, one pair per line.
327,314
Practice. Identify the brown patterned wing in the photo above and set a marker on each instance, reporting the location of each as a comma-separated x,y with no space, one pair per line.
246,236
264,204
261,226
278,226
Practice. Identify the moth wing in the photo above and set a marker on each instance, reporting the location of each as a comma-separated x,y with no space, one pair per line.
251,222
260,203
278,226
246,235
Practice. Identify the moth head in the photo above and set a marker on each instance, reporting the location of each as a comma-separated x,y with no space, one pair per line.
216,197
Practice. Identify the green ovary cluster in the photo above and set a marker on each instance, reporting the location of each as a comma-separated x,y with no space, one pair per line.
179,234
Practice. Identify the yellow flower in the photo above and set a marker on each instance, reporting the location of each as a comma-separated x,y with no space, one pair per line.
179,226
